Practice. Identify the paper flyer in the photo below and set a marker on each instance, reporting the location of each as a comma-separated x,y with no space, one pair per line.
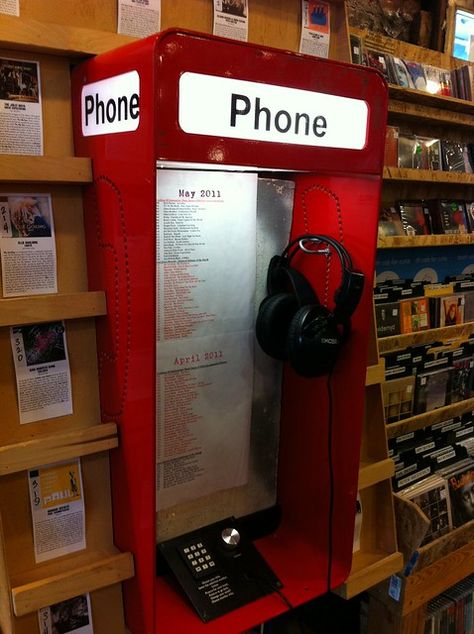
57,510
139,18
73,616
231,19
21,122
315,28
27,245
43,376
206,250
10,7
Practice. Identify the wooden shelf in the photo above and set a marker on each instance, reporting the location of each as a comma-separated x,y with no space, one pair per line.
422,98
33,35
406,242
104,571
61,446
429,418
399,342
371,473
369,569
44,169
429,114
42,308
427,583
375,374
427,176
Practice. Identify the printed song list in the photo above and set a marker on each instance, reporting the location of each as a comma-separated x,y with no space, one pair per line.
205,295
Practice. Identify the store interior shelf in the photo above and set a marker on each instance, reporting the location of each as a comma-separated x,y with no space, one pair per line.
375,374
372,472
368,569
45,169
105,570
399,342
33,35
429,418
429,114
406,242
427,176
427,99
62,446
43,308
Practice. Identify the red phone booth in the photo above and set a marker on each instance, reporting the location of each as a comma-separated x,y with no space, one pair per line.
209,155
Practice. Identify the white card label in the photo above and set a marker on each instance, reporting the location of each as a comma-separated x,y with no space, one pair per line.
238,109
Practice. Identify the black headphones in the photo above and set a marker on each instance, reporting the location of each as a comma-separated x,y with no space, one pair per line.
292,324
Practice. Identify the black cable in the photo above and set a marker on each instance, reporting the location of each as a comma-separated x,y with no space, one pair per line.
331,479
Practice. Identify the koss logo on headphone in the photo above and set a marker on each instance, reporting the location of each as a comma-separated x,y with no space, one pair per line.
291,322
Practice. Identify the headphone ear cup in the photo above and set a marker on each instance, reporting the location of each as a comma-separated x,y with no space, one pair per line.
273,320
313,341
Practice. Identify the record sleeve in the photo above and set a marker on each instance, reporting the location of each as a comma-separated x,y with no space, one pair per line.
469,306
449,216
398,398
432,497
390,223
415,217
403,77
461,493
378,60
461,379
427,154
414,315
387,317
452,154
417,74
431,390
391,146
406,151
451,310
470,214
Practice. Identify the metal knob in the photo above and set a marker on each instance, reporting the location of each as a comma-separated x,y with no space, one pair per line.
230,537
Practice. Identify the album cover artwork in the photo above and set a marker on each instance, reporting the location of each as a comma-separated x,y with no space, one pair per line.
402,75
387,317
432,497
414,315
406,151
451,310
461,379
377,60
356,49
390,223
427,154
469,204
391,146
449,216
398,398
431,390
417,74
452,154
469,306
415,217
461,493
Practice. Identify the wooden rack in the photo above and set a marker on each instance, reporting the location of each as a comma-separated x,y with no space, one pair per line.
24,585
451,557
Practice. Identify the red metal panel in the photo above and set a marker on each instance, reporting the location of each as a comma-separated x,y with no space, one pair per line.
120,228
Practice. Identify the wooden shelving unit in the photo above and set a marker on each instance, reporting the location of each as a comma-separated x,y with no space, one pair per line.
98,569
399,342
450,558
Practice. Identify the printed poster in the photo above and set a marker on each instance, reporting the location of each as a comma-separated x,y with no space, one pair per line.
73,616
57,510
43,376
206,250
21,123
315,28
231,19
139,18
27,245
10,7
